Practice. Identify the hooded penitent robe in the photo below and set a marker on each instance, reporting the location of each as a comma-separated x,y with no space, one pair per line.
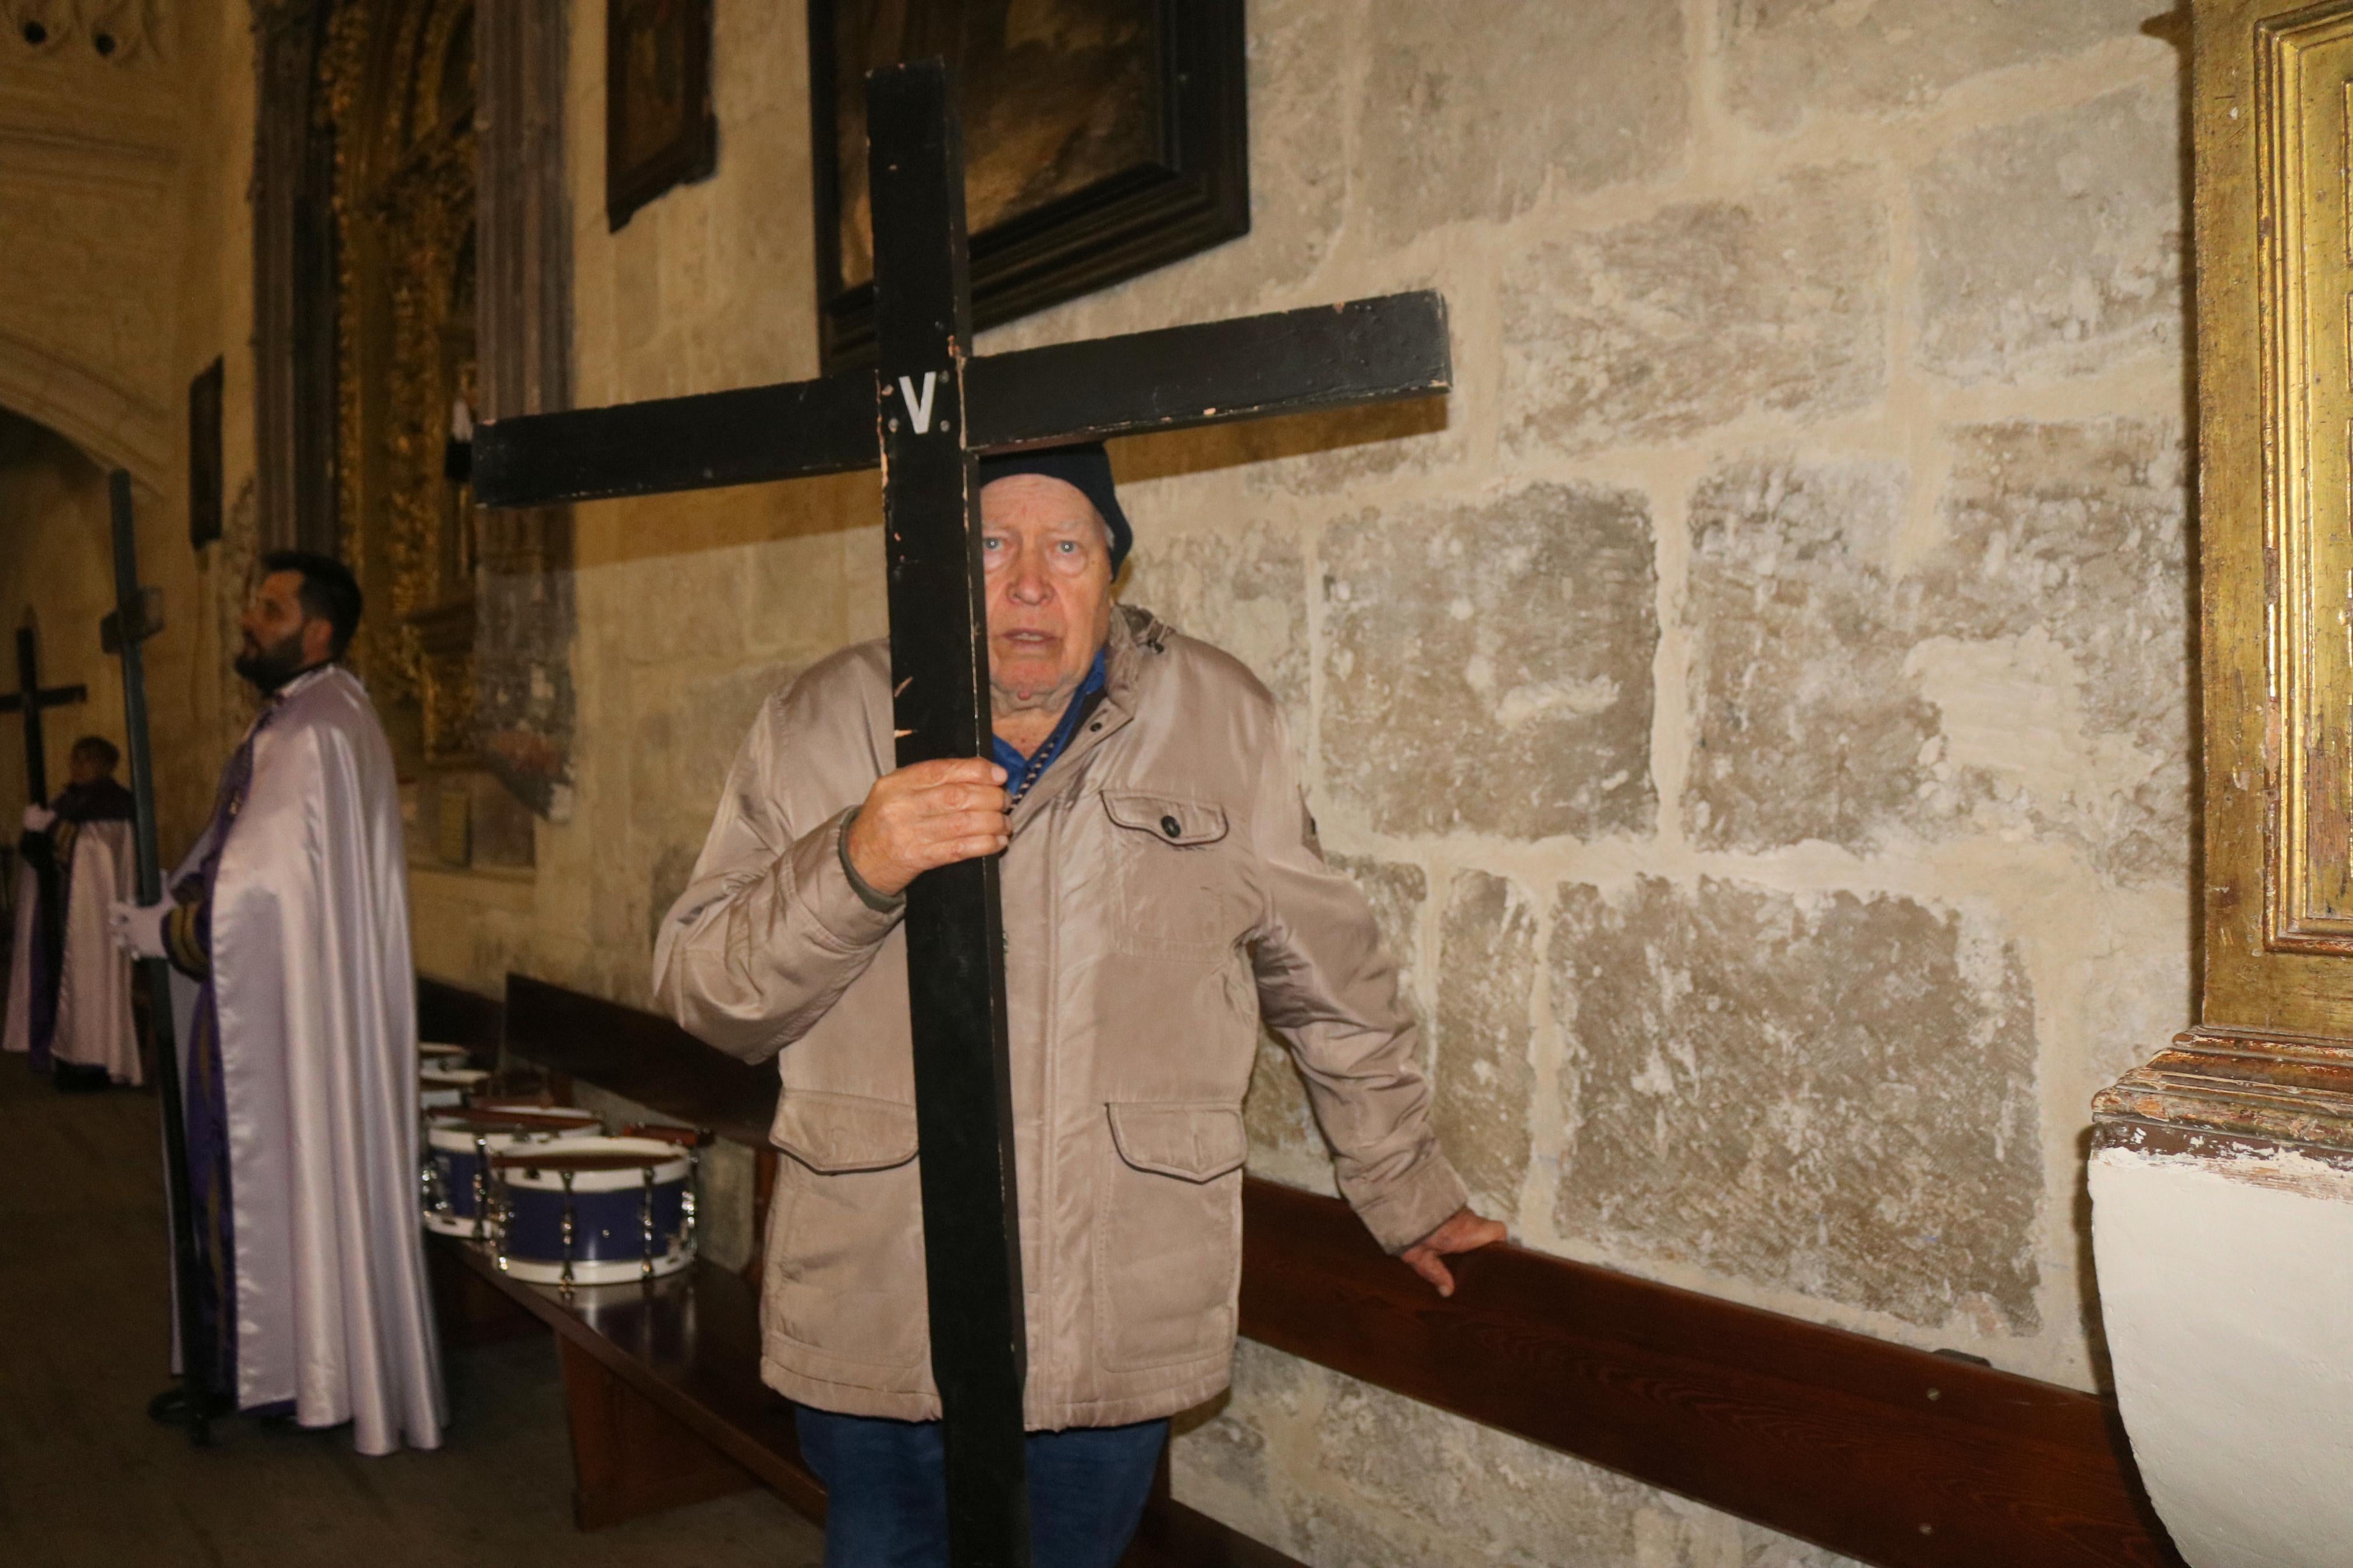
296,1004
69,985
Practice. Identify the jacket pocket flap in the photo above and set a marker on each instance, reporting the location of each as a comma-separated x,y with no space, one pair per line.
1184,823
834,1133
1198,1142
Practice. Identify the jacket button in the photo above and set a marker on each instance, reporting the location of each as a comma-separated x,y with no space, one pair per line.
1171,826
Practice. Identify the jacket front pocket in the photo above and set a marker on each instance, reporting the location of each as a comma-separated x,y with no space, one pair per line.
1167,1252
1176,875
845,1232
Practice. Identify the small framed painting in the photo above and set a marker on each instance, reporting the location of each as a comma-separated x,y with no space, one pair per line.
1102,139
658,128
205,456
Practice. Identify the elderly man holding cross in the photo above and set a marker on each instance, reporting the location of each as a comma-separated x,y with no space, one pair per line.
1164,895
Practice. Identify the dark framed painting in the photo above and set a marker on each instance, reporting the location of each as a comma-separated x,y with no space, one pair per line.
1103,138
658,128
205,456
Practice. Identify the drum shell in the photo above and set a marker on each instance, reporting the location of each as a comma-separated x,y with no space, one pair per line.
450,1149
607,1227
608,1242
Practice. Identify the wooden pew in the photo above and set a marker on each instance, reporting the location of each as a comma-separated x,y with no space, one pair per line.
1887,1454
662,1385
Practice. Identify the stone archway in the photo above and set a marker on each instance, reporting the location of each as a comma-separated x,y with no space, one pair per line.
116,429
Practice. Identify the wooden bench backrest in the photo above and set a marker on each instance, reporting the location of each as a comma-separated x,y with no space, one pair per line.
1886,1453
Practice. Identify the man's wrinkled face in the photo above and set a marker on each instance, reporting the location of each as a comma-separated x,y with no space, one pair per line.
1046,558
281,639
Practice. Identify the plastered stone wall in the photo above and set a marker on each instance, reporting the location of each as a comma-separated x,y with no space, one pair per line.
1754,702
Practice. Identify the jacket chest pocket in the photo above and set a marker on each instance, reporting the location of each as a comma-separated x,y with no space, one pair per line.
1177,880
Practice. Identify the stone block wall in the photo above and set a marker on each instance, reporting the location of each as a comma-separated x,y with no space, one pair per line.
1756,702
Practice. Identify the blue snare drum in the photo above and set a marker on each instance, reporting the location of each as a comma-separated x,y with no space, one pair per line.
594,1211
459,1145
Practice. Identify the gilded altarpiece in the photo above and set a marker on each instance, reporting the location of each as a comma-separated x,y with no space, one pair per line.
396,99
2270,1063
397,95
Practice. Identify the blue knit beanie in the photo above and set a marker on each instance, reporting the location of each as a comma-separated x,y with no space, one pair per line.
1086,469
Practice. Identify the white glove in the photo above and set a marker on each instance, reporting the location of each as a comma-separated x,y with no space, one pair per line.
39,818
138,928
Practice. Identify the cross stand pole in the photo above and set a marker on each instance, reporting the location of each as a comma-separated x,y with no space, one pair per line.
134,620
926,412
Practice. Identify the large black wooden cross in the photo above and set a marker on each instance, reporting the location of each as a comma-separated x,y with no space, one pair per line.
927,413
29,697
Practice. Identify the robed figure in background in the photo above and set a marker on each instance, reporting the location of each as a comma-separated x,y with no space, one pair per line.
288,926
68,984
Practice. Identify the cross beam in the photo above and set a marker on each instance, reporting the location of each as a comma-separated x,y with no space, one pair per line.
29,697
1287,361
927,413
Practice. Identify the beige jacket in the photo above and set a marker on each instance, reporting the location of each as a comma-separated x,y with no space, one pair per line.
1163,896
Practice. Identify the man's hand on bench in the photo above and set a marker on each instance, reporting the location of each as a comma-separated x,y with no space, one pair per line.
1465,1232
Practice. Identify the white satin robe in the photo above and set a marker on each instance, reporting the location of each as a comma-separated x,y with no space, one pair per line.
94,1027
16,1024
316,994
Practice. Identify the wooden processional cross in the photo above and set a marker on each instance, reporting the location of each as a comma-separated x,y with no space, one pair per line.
29,697
925,414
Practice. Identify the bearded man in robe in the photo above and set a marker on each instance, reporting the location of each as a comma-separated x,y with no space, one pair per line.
288,928
70,986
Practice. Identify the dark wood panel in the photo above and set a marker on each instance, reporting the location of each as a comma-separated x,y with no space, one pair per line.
690,1347
1892,1455
453,1016
639,1057
631,1457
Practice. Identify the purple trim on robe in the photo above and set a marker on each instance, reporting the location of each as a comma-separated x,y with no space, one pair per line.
41,1000
205,1098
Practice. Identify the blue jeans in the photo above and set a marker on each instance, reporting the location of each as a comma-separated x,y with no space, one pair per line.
886,1489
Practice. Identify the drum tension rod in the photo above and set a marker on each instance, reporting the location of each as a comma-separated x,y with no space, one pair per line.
565,1278
481,1185
646,1227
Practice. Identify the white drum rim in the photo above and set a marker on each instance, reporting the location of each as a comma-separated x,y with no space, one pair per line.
672,1169
452,1224
439,1048
451,1077
551,1112
460,1140
604,1271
